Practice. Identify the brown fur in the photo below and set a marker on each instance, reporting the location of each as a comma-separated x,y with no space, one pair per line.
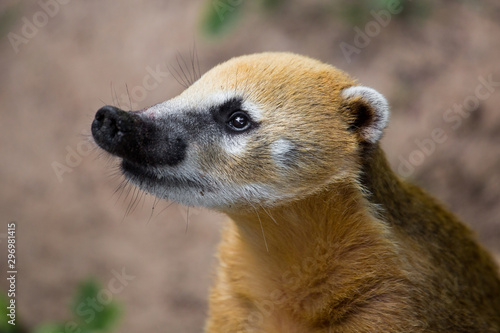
323,236
365,252
332,266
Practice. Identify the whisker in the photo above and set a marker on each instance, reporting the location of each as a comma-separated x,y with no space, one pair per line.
97,152
120,186
197,62
111,92
114,96
144,195
170,204
114,172
129,99
135,201
189,70
173,71
134,191
184,70
272,218
155,202
261,226
128,190
193,69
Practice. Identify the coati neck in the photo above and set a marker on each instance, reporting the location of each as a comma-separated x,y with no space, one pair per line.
321,253
338,211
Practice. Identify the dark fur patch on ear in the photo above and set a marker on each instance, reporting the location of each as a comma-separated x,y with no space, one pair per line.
364,115
369,112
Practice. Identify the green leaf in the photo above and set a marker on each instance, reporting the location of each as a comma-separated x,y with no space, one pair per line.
220,15
50,328
94,308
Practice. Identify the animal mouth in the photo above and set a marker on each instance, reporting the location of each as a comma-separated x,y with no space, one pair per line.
138,172
147,177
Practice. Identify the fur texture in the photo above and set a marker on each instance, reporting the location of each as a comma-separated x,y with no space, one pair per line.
322,236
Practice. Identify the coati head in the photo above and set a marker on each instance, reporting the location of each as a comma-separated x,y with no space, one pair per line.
261,129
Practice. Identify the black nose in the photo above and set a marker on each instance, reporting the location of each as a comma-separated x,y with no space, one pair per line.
110,126
137,139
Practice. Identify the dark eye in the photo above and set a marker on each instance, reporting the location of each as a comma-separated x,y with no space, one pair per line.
239,121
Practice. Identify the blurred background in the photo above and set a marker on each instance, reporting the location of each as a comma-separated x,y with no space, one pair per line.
146,264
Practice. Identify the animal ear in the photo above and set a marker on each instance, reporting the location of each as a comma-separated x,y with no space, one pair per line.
368,112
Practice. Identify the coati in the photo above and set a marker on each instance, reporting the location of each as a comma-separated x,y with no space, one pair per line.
323,236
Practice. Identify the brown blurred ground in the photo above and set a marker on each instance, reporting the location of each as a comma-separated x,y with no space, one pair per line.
90,51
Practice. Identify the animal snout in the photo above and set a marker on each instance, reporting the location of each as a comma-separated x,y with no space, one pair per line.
110,125
136,139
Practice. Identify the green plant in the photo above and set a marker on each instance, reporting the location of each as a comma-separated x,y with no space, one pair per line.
87,319
220,16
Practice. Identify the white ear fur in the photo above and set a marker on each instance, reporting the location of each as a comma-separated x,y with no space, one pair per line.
378,103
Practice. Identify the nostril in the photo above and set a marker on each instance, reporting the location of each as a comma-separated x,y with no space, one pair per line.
111,125
99,116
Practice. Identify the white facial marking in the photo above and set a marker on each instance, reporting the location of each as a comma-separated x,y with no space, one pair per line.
235,145
220,194
200,101
217,192
253,110
279,151
184,102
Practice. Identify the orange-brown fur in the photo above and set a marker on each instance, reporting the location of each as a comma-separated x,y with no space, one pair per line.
323,236
364,252
333,267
